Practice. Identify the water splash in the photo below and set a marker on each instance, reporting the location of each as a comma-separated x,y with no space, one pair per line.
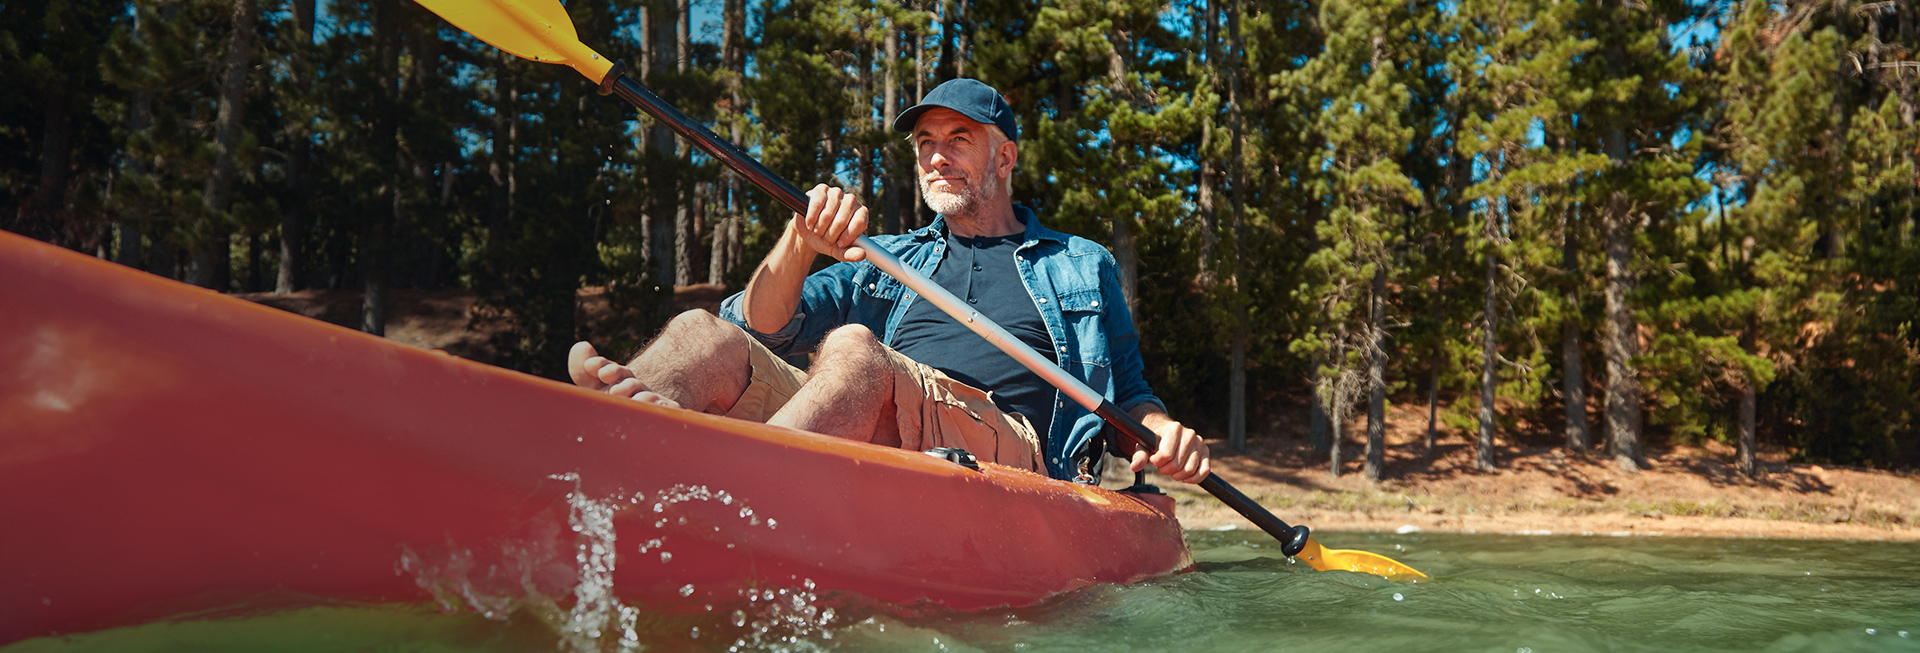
597,614
773,614
790,618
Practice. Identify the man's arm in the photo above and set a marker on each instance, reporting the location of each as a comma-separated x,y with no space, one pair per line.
833,222
1183,456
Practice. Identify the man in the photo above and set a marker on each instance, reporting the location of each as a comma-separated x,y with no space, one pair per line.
892,370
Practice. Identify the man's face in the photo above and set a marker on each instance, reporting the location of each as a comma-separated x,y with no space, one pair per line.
959,164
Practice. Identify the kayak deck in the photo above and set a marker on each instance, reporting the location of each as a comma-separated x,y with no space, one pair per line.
166,448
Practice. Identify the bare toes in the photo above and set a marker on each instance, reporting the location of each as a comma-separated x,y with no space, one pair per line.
583,374
627,389
609,371
650,397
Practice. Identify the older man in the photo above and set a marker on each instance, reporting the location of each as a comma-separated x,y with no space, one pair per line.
892,370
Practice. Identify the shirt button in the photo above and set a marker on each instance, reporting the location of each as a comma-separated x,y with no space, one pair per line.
1096,304
1063,350
1043,300
976,268
971,300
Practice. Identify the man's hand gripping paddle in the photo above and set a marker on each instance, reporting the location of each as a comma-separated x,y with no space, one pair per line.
541,30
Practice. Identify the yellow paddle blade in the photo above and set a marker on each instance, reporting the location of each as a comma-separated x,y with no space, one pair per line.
539,30
1325,559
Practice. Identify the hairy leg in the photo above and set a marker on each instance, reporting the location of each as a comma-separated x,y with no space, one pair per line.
849,391
699,361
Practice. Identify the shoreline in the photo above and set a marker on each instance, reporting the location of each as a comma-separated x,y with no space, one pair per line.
1218,518
1681,491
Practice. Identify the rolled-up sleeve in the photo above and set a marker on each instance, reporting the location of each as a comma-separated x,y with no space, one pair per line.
826,302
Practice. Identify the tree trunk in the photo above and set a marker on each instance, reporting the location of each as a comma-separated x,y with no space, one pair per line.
40,217
726,233
684,238
1337,424
891,170
1433,402
1376,377
944,71
1489,362
1572,378
505,151
919,213
376,244
1749,401
1622,341
961,39
1203,179
293,217
139,119
218,194
717,248
859,129
1237,417
1317,422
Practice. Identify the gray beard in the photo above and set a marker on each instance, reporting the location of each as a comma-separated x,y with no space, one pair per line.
963,203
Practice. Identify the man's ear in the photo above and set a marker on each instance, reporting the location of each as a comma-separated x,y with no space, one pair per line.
1005,159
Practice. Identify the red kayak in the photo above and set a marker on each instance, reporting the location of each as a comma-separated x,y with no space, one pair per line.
165,449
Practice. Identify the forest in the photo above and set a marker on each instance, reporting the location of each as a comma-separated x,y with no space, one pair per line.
1598,224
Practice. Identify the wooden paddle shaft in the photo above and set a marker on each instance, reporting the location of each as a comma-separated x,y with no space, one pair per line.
1292,538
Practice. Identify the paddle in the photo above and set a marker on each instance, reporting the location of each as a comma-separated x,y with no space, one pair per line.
541,30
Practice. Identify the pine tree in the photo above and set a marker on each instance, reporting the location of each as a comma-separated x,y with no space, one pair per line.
1367,126
1639,123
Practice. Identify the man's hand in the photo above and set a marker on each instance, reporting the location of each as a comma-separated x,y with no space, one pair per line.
1182,455
834,221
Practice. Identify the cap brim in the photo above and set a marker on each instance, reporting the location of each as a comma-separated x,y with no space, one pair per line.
903,124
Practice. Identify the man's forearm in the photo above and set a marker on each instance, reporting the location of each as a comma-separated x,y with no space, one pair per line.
774,292
1141,411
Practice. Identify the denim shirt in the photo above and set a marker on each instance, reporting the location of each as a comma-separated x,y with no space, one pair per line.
1073,281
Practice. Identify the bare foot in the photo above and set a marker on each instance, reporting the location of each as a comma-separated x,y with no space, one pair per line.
632,388
592,371
585,365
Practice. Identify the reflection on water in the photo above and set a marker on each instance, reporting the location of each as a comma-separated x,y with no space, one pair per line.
1488,593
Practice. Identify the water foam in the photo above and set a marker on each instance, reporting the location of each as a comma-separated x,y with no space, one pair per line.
527,576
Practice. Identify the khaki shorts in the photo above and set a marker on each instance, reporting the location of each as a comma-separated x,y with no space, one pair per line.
934,410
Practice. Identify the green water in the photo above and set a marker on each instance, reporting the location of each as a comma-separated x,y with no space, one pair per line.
1489,593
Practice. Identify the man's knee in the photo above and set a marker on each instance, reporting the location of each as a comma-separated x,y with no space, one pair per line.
852,343
696,322
696,333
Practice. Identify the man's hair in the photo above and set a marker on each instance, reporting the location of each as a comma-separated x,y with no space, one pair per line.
995,138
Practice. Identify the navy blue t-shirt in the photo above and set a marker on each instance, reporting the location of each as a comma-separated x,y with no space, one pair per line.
981,272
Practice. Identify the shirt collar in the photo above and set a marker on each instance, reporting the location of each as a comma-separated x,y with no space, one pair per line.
1035,231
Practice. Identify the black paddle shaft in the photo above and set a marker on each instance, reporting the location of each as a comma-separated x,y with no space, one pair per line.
619,83
1292,538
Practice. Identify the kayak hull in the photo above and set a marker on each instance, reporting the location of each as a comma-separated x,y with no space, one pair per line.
165,448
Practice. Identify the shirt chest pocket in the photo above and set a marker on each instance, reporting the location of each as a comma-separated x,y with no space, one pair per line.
1085,314
882,287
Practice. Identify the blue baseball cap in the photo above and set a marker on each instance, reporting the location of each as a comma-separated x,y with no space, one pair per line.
972,98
